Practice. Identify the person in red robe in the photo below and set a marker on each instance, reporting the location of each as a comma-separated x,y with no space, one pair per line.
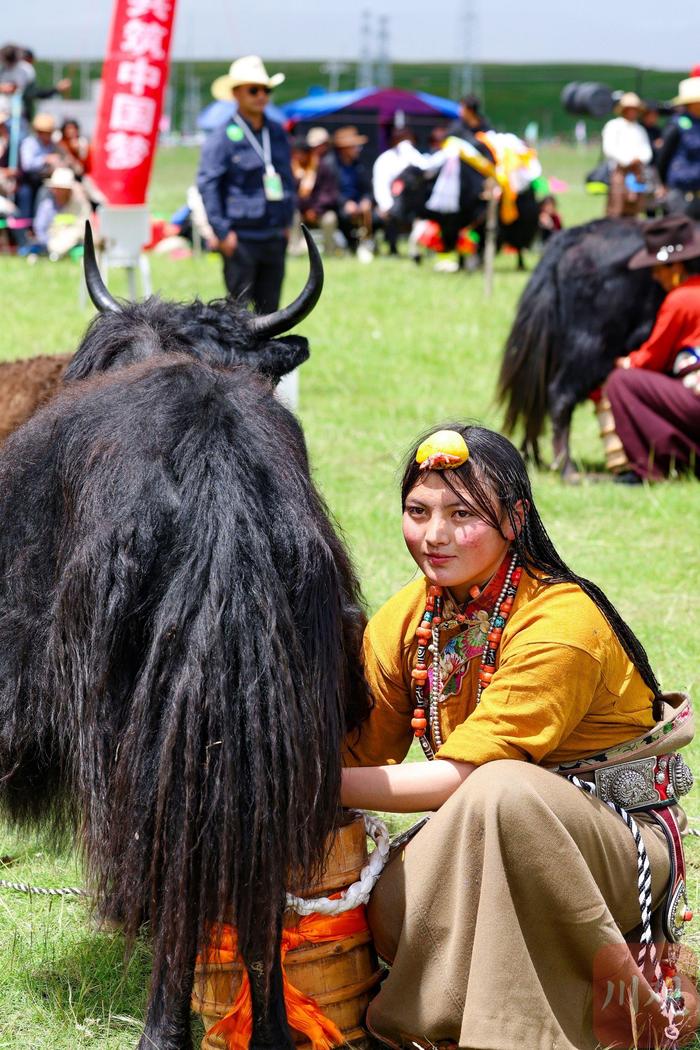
655,390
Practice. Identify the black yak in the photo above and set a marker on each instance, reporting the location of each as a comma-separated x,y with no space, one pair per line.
580,310
179,636
413,188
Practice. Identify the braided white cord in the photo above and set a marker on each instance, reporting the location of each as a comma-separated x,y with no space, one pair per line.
643,878
666,1003
360,891
43,891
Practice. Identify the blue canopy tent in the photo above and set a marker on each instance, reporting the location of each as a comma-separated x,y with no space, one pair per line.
218,113
374,111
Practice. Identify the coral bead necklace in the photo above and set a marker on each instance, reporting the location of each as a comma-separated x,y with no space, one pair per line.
426,710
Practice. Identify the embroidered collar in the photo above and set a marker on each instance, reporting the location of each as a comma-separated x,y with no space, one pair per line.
486,600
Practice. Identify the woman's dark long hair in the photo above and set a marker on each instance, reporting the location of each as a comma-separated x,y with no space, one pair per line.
496,481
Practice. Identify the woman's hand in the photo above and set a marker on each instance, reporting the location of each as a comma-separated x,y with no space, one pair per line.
410,788
623,362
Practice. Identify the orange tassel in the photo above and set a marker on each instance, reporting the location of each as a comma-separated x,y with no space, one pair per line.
303,1013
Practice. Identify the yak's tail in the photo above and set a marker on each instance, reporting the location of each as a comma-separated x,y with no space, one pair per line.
529,356
206,635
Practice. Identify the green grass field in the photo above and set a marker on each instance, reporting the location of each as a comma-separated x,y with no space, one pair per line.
395,348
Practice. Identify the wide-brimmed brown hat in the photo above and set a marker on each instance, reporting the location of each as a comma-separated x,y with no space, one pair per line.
668,240
348,136
630,100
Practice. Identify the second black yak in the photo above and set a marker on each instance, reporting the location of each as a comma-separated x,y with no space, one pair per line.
580,310
180,630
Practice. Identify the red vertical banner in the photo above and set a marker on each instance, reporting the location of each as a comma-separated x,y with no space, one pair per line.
134,77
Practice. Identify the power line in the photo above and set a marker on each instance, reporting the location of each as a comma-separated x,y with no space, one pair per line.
365,66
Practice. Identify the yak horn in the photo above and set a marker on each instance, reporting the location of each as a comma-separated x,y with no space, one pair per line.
95,285
282,320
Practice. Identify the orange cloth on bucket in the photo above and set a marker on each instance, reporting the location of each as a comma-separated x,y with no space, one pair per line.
303,1013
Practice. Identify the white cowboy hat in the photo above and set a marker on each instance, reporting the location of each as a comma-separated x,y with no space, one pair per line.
248,70
630,100
688,91
61,179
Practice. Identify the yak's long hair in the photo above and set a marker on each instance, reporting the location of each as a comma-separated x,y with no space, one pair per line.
179,646
492,483
580,310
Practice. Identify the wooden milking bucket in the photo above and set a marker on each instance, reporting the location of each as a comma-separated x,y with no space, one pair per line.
615,455
339,975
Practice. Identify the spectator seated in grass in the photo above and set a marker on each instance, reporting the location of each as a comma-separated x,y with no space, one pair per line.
74,148
59,223
317,192
549,221
38,159
655,390
8,175
354,190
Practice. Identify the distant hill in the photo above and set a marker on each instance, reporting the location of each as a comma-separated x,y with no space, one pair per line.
514,94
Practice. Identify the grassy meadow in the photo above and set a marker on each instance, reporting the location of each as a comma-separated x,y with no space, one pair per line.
395,348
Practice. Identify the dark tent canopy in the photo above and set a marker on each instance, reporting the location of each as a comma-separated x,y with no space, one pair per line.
374,111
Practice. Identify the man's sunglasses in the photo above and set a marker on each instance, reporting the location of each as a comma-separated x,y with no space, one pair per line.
257,88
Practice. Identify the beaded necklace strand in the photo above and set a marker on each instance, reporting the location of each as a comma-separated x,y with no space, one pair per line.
428,632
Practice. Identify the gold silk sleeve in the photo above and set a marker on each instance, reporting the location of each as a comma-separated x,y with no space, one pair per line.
536,698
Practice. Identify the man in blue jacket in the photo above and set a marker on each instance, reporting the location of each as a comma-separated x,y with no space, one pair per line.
245,179
678,161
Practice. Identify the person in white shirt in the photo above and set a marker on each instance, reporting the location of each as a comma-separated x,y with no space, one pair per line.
627,149
388,166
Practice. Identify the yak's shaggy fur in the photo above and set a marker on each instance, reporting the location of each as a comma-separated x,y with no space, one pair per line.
179,638
580,310
27,384
217,332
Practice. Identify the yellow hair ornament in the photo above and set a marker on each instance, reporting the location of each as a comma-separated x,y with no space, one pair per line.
443,450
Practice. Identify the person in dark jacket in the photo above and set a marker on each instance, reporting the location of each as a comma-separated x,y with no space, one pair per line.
246,182
354,187
679,157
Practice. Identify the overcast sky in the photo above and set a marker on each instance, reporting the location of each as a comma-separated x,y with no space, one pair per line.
645,32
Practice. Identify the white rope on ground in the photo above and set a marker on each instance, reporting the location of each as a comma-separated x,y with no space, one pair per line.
43,891
360,891
353,896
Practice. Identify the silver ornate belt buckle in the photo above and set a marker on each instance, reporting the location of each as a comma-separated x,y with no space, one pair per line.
680,775
634,785
629,784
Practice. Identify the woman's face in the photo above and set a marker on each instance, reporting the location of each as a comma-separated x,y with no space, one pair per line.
669,275
451,545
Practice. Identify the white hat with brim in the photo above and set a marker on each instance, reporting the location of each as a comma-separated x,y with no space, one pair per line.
688,92
61,179
248,70
44,122
630,100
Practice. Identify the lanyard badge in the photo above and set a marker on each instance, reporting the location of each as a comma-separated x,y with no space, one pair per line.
272,184
272,180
